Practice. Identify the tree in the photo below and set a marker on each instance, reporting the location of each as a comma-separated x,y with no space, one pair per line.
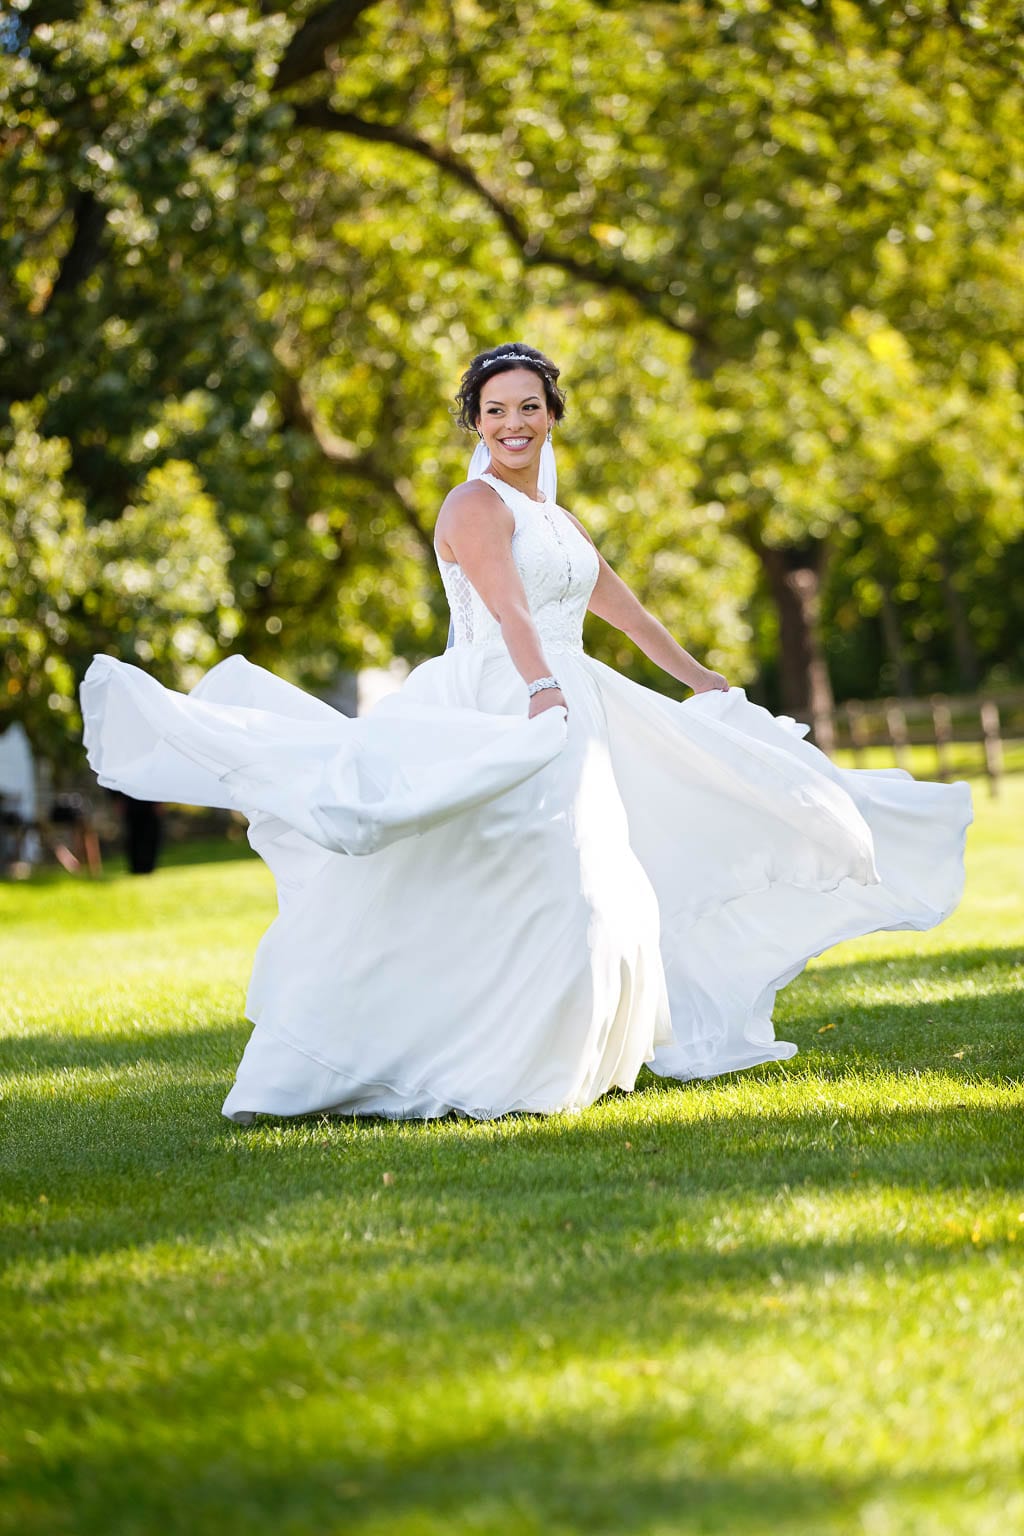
263,239
151,585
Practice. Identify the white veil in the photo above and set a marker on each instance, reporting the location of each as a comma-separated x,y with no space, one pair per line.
547,480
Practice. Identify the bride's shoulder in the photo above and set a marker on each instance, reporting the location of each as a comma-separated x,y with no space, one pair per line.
473,505
472,497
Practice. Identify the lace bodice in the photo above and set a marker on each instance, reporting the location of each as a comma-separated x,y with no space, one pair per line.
558,567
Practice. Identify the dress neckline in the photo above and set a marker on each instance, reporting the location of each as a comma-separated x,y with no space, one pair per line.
544,502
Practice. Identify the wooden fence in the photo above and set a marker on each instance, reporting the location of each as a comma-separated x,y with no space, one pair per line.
990,722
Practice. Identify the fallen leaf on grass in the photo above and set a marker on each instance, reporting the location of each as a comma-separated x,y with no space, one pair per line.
825,1029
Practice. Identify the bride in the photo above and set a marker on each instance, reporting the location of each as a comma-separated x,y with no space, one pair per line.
523,876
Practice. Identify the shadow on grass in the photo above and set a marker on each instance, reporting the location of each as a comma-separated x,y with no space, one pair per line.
185,854
946,967
481,1259
971,1036
660,1468
977,1032
621,1479
219,1042
150,1112
207,850
157,1165
315,1288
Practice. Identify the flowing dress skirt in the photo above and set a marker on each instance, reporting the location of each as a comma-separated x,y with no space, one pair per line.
483,912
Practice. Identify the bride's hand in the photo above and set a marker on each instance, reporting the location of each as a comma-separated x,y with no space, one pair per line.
548,698
708,682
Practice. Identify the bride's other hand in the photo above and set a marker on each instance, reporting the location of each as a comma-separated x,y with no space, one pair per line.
708,681
548,698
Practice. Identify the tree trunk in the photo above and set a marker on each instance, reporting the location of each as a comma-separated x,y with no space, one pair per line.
894,643
964,650
794,576
86,248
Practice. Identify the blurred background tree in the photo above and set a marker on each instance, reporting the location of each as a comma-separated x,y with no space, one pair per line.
247,250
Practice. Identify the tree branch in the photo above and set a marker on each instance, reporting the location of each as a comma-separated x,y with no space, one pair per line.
83,254
46,12
399,489
533,250
327,28
299,413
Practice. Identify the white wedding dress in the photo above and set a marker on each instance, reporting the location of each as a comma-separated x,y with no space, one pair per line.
484,912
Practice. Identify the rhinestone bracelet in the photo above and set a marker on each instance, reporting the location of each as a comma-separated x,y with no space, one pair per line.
540,683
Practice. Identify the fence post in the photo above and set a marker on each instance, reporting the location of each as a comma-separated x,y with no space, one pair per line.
942,725
858,731
823,724
896,722
993,743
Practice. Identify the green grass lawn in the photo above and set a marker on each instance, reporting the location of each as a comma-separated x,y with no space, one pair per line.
791,1301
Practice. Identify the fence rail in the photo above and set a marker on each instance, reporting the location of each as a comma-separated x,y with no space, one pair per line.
989,721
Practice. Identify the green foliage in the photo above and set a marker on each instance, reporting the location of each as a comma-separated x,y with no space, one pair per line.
151,585
774,248
42,575
847,441
161,575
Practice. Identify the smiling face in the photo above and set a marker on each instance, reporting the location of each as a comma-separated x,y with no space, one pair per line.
514,418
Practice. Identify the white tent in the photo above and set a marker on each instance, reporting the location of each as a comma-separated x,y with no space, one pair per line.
17,773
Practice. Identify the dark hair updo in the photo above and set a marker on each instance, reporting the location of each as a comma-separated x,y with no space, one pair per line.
514,354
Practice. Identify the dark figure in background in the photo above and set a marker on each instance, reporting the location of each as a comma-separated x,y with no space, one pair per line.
13,831
143,834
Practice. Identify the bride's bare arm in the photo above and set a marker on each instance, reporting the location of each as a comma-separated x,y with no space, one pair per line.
613,601
475,528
